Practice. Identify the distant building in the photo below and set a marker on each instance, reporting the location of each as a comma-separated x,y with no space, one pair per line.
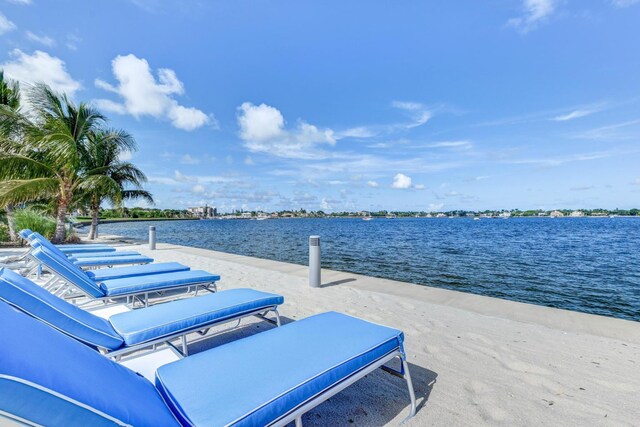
203,211
556,214
577,213
542,214
441,215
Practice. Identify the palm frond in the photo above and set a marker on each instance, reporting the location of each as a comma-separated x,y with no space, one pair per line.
26,190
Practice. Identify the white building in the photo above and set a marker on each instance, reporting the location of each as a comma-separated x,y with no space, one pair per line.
203,211
556,214
577,213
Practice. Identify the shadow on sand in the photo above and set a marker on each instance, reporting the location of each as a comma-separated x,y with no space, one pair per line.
337,282
375,400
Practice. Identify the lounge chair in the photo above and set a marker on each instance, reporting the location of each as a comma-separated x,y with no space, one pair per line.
29,236
105,260
268,379
130,331
116,272
67,280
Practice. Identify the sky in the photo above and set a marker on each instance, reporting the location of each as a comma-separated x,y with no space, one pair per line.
353,105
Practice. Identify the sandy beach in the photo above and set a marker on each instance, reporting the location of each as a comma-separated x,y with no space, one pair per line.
474,360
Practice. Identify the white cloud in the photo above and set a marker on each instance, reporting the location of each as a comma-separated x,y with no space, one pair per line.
40,67
143,95
6,25
198,189
249,161
407,105
262,128
357,132
125,155
373,184
624,3
401,181
187,159
535,11
574,115
73,41
435,206
418,111
22,2
636,181
324,204
45,40
419,187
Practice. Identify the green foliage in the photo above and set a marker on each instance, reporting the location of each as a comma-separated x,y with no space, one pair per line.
35,221
4,232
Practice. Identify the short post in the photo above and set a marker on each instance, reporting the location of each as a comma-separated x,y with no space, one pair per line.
152,237
314,261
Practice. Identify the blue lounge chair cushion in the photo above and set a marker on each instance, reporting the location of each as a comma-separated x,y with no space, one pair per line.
80,255
82,250
136,270
25,295
254,381
139,326
67,270
155,282
25,233
116,260
51,379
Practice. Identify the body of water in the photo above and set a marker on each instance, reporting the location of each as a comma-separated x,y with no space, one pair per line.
584,264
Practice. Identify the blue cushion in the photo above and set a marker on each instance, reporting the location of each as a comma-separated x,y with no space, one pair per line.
67,270
54,380
38,240
80,250
84,245
160,320
256,380
156,282
116,260
101,254
136,270
25,295
25,233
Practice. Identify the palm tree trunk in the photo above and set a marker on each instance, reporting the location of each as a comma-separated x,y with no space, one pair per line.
63,207
95,210
11,222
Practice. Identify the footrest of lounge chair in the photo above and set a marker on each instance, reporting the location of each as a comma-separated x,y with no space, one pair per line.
152,323
156,282
117,260
260,379
136,270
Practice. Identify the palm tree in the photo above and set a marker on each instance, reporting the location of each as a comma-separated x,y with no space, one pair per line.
9,99
47,161
107,177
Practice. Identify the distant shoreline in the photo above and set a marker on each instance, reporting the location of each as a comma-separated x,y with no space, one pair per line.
85,222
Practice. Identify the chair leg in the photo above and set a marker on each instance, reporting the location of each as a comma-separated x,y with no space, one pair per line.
299,421
412,394
275,310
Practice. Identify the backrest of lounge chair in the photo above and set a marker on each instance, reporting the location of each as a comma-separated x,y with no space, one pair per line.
25,233
39,238
37,302
67,270
49,378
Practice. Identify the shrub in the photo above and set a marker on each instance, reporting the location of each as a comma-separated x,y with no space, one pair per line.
35,221
4,232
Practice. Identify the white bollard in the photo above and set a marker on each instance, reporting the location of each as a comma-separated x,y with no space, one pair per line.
314,261
152,237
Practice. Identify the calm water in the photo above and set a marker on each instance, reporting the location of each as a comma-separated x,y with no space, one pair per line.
584,264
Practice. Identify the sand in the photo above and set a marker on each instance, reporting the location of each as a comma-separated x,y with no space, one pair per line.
474,360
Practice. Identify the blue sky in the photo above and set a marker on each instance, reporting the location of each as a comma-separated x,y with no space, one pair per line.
334,105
